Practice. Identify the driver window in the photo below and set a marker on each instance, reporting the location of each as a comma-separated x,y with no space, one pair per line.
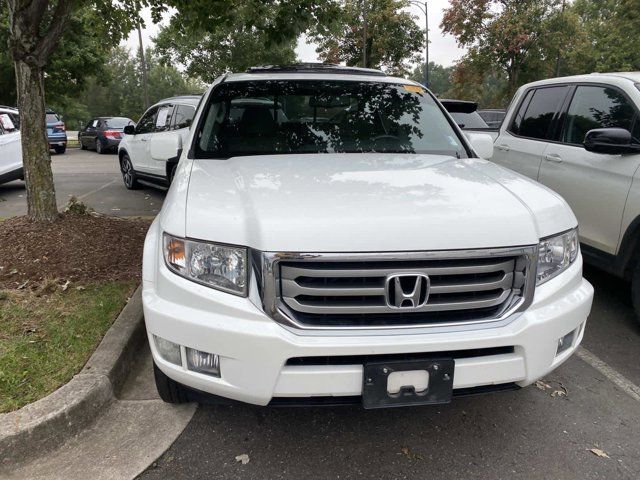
596,107
147,123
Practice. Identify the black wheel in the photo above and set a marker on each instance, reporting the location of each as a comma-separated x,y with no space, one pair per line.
172,173
169,390
635,291
128,173
82,145
60,150
99,147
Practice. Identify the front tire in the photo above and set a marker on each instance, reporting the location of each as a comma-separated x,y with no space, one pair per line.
60,150
169,390
128,173
82,145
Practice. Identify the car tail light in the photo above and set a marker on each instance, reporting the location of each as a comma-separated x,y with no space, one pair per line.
113,134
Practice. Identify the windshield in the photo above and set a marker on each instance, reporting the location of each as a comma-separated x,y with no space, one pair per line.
469,120
292,116
118,122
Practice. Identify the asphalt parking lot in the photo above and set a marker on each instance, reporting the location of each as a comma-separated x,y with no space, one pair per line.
94,179
533,433
540,432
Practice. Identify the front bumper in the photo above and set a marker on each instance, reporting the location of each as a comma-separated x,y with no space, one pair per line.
254,349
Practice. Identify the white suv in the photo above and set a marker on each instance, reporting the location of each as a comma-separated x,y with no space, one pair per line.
10,146
332,236
580,136
150,150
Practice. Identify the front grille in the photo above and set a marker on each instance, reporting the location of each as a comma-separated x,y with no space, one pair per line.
326,291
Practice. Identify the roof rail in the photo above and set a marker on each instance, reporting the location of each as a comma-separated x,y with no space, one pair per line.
316,68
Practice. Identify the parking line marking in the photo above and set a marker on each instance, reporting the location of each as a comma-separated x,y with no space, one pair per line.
85,195
612,375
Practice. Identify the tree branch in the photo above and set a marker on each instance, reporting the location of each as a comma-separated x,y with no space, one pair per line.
49,41
33,13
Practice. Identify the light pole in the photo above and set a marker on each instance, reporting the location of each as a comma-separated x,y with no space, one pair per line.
424,9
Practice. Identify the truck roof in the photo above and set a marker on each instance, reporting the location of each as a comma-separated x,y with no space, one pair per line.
315,71
591,77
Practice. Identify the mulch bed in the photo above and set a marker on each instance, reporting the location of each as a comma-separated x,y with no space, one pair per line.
75,248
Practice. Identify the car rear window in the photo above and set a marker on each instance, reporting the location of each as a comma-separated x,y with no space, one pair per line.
52,118
323,116
118,122
469,120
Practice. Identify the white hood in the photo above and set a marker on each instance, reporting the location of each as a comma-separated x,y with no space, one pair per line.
363,203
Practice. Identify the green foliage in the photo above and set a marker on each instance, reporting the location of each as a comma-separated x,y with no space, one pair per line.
119,92
394,39
440,78
280,21
211,37
208,54
509,41
608,37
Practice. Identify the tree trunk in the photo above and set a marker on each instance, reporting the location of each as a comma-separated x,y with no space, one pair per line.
41,194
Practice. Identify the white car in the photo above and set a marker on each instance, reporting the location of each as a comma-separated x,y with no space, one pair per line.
10,146
150,150
580,136
332,236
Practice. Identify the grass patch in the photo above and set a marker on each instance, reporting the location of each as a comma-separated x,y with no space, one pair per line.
47,337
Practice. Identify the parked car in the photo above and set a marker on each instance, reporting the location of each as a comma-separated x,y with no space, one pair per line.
103,134
492,116
150,150
580,136
56,132
465,114
355,249
10,146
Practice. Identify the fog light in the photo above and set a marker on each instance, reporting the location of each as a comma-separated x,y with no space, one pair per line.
565,342
169,351
203,362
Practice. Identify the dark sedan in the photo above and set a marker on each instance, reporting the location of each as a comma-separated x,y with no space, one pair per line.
103,133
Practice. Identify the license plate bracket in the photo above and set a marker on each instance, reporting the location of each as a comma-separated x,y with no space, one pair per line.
439,390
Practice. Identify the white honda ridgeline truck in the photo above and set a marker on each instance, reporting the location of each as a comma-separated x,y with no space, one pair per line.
331,236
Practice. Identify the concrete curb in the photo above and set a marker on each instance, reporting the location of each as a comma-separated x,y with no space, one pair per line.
40,427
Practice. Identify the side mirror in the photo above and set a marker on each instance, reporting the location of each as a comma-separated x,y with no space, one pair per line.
130,130
612,141
482,144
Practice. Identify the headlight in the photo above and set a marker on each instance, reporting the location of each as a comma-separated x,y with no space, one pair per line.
223,267
555,254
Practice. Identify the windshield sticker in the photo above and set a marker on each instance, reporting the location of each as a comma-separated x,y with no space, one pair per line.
414,89
6,122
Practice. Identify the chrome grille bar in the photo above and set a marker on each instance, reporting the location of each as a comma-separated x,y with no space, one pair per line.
343,291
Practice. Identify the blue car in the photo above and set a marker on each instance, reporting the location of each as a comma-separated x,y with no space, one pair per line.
56,132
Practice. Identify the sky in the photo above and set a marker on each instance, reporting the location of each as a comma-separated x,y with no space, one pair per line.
442,48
